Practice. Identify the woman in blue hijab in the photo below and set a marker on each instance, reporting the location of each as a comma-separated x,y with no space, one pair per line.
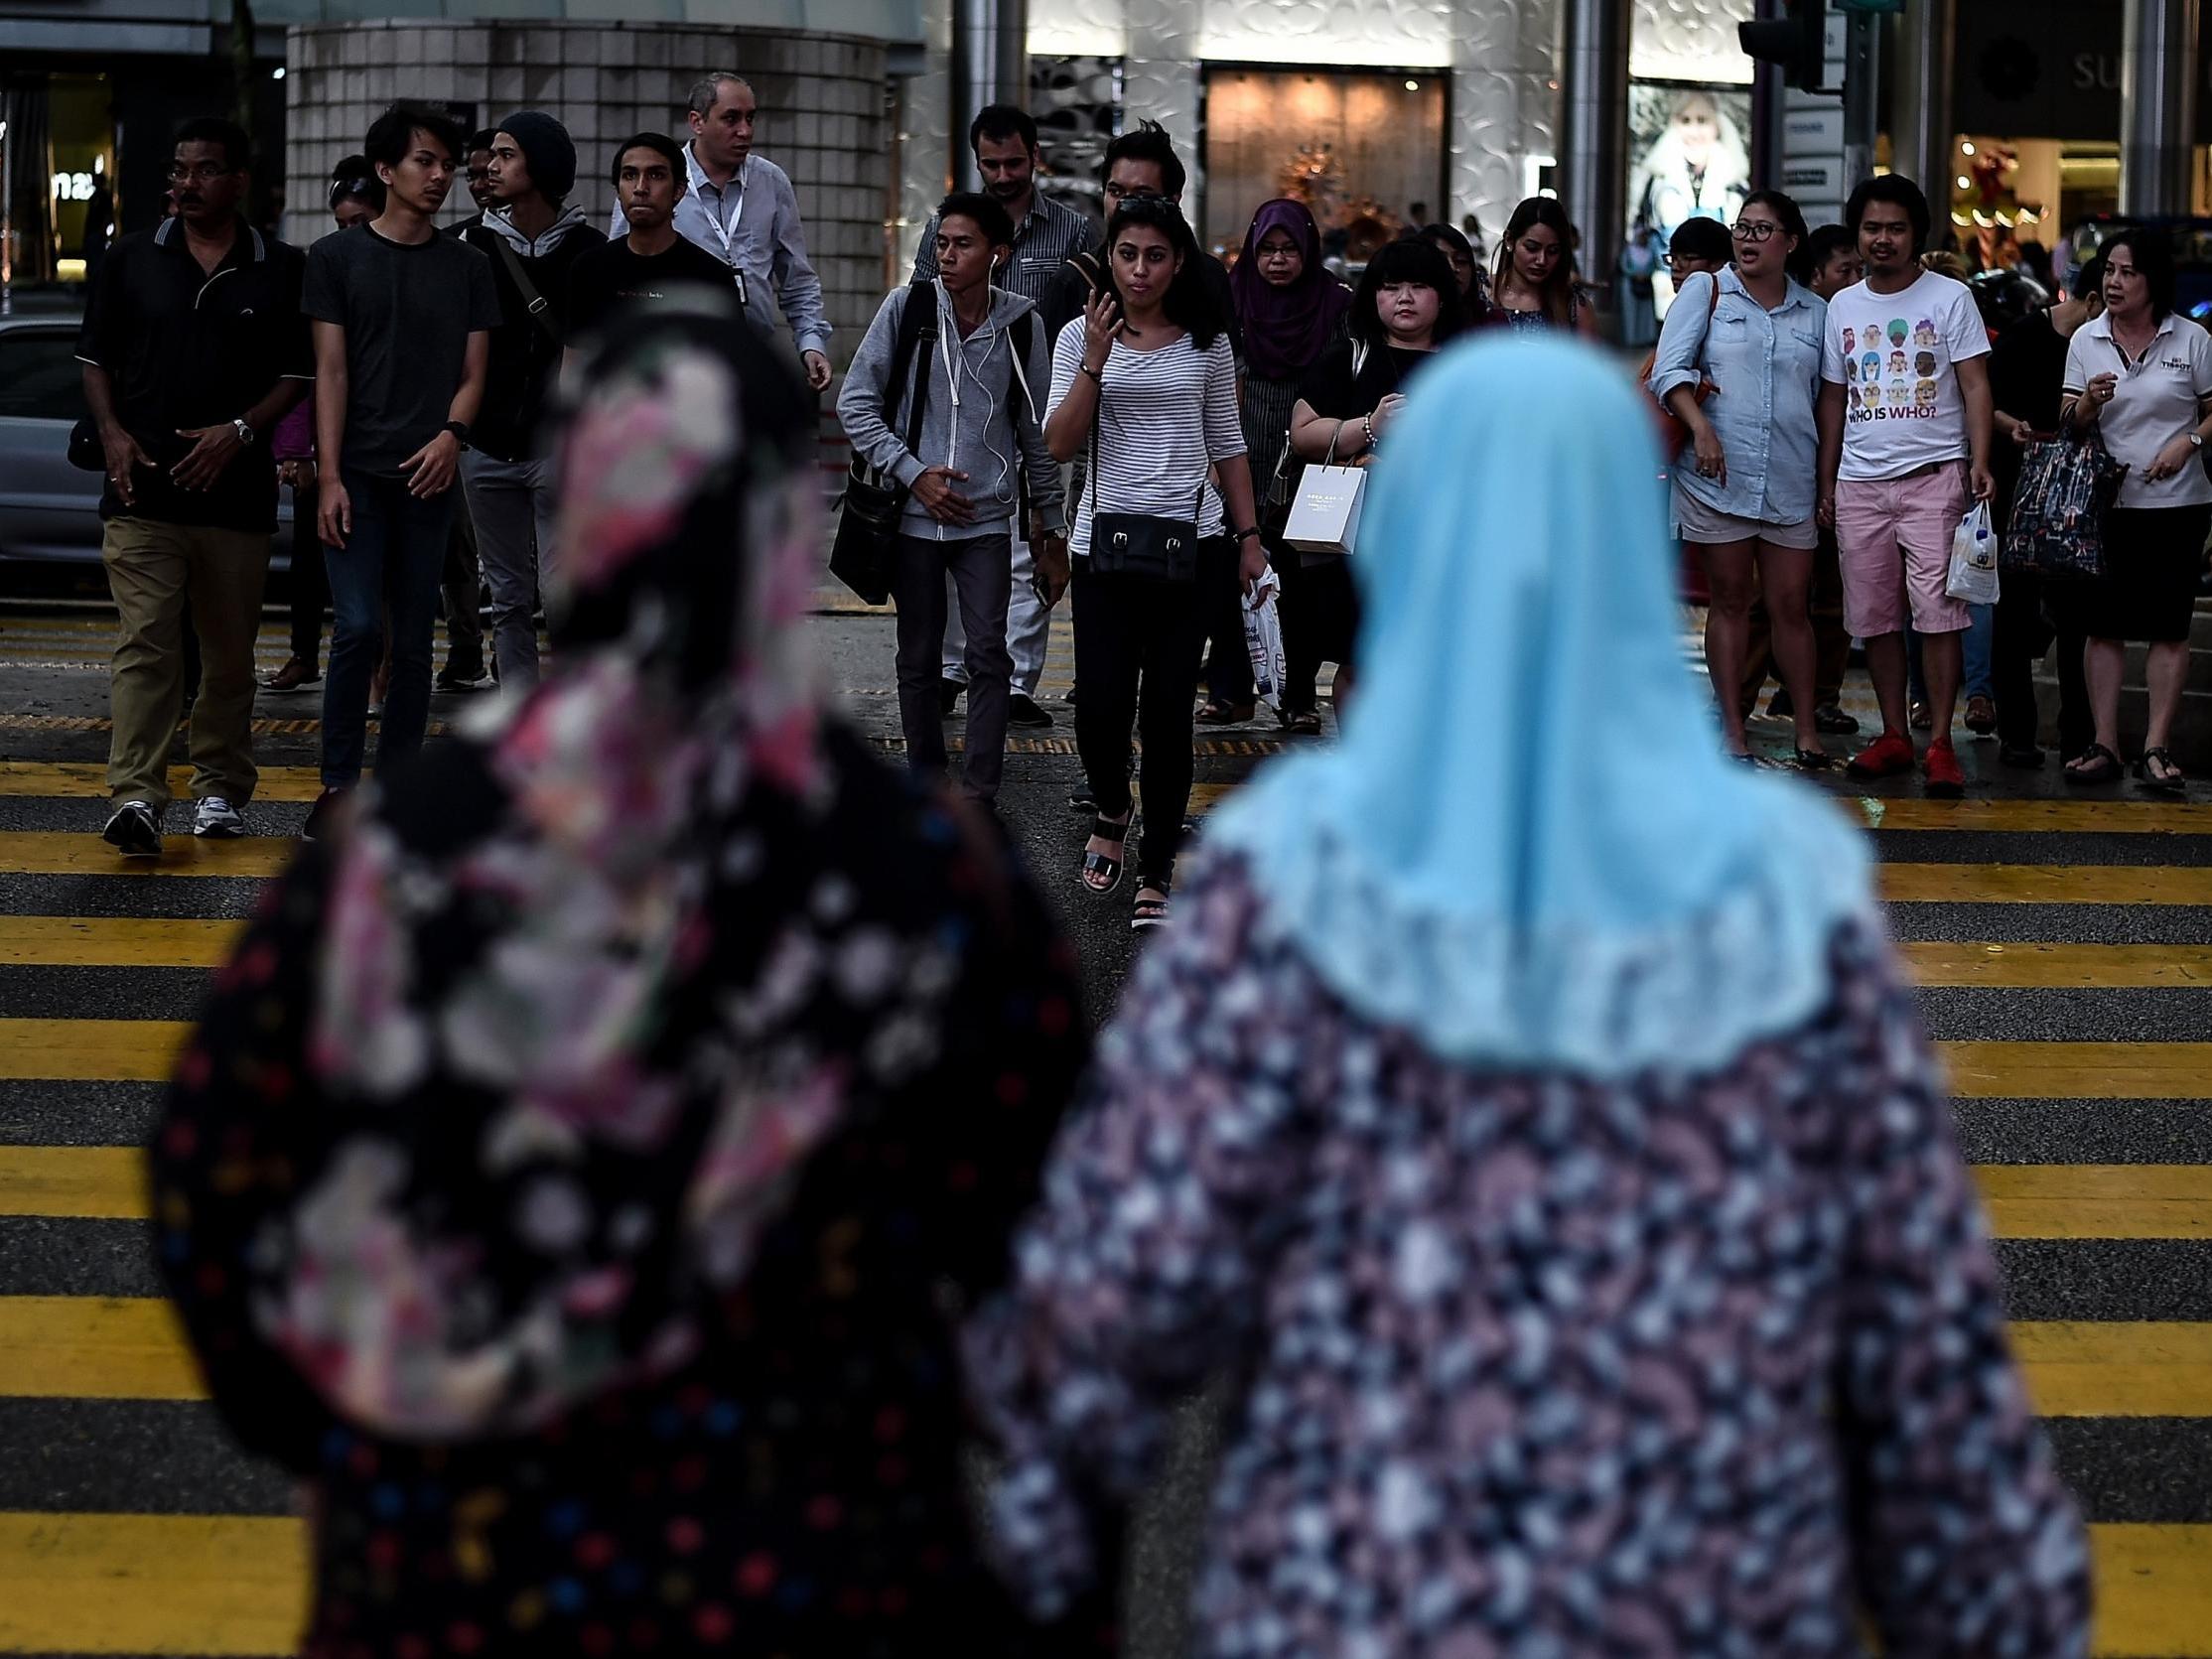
1551,1151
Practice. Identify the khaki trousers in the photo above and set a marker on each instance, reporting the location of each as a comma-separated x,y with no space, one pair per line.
152,566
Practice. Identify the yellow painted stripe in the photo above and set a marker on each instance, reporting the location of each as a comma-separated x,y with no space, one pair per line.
2078,1070
89,1050
210,1585
55,853
151,1583
2106,817
2125,1368
2046,883
2154,1592
1954,962
100,1183
116,941
2097,1201
89,777
81,1347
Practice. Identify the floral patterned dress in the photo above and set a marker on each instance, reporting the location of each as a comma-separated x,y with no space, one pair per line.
793,1488
1700,1365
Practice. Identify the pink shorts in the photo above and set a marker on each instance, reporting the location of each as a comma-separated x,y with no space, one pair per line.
1874,518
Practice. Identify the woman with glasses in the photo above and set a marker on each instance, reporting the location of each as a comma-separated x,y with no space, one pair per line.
2139,376
1292,311
1744,484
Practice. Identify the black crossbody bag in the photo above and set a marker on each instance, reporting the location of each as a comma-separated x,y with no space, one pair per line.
866,549
1139,544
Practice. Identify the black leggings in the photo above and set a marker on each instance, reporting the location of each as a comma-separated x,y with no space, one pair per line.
1137,648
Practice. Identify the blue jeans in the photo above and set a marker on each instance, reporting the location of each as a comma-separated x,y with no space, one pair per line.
1976,644
389,565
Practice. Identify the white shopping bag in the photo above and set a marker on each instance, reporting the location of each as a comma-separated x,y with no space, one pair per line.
1324,517
1263,637
1973,576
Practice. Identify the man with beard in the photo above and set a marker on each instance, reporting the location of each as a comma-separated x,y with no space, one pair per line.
194,348
403,319
1045,235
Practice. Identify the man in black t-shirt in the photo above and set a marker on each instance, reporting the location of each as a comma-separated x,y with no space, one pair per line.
651,261
403,319
194,348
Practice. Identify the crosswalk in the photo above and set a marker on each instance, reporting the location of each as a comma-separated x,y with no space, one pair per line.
2063,950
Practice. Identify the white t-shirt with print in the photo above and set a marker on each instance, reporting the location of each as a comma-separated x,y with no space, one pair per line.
1895,356
2155,401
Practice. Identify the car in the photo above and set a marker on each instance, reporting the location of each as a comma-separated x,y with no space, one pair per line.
50,511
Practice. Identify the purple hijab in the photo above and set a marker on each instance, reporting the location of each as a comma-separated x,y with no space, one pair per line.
1286,328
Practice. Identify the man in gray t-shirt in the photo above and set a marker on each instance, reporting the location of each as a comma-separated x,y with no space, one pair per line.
402,319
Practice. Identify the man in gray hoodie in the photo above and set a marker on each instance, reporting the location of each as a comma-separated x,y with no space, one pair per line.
532,239
984,361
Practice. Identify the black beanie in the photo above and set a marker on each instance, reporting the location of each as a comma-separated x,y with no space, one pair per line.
547,147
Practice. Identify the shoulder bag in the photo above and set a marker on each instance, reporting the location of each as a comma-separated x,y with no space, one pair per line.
1673,431
2057,526
535,304
1139,544
869,512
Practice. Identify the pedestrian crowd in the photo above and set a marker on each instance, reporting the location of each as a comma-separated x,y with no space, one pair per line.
641,1145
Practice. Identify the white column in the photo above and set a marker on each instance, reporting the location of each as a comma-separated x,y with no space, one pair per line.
2158,104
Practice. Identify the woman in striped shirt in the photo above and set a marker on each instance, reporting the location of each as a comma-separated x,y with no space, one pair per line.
1145,384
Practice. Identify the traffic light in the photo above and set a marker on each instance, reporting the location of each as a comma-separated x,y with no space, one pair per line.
1797,43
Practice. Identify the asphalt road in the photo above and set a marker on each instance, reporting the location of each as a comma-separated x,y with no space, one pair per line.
2064,947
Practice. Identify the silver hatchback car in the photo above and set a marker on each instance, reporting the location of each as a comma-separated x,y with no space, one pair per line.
48,509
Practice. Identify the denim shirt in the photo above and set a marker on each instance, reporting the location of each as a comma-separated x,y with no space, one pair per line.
1765,369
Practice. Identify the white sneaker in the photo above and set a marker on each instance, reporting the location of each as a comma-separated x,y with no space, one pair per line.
134,830
215,819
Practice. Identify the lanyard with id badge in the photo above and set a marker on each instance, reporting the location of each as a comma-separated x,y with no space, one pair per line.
728,237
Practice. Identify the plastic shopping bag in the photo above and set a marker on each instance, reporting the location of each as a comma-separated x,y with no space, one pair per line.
1973,558
1263,637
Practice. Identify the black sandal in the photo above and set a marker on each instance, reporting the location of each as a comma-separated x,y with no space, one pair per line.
1098,865
2164,786
1306,724
1151,913
1814,760
2104,766
1228,714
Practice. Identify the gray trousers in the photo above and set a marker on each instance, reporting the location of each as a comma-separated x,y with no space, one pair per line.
979,570
510,502
1029,629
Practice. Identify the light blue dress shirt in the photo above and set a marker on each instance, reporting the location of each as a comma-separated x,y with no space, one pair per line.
1765,369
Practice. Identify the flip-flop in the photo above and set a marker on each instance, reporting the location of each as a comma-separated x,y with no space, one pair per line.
2104,766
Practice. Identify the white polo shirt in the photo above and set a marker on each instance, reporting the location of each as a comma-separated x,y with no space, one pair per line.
2155,401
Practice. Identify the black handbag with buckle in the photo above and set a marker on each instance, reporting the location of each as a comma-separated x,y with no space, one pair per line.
1138,544
866,549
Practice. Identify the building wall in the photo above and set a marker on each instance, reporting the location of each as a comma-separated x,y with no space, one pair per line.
822,102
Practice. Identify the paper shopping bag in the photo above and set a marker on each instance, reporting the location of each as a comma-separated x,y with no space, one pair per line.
1326,516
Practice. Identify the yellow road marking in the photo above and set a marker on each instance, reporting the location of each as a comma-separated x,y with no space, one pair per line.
81,1347
2046,883
89,1050
152,1583
100,1183
2106,817
89,777
57,852
116,941
1953,962
2098,1200
234,1585
2125,1368
2078,1070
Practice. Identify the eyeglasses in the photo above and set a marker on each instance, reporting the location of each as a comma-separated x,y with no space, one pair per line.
207,173
343,188
1752,230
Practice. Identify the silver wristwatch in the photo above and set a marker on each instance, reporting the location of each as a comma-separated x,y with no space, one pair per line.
2196,440
245,432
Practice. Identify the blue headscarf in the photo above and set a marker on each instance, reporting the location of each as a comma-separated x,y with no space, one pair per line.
1528,847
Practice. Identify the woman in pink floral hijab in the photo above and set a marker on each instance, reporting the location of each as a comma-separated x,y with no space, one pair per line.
566,1173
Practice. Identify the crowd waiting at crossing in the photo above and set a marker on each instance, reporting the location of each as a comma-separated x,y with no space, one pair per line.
644,1138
